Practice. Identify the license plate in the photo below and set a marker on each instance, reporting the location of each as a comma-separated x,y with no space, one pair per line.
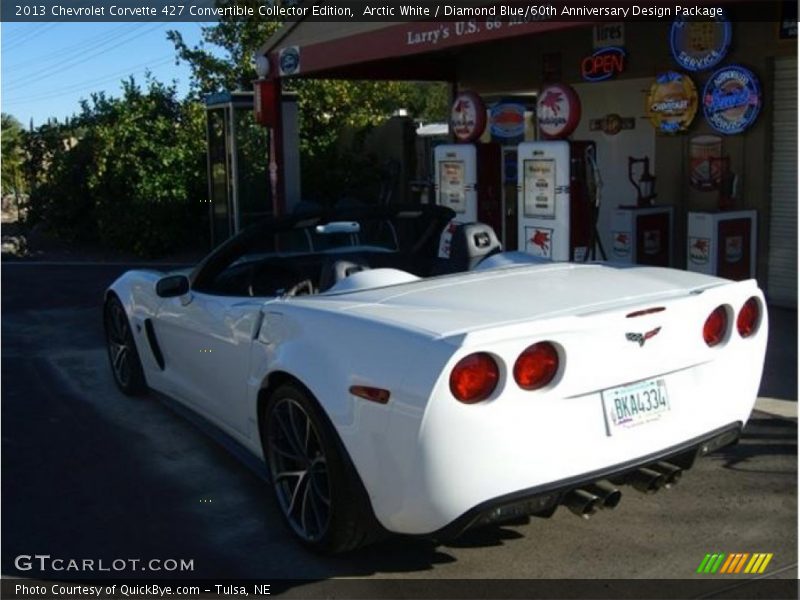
633,405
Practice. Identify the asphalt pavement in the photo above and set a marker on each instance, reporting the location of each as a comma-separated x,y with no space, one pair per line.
90,473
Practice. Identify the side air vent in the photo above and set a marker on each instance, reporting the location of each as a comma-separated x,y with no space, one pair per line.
154,347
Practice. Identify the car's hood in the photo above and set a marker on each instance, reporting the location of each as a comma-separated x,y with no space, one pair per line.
466,302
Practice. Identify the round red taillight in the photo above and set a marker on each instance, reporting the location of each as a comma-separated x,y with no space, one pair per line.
749,316
536,366
715,326
474,378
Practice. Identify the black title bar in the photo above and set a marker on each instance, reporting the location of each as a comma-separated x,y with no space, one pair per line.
391,10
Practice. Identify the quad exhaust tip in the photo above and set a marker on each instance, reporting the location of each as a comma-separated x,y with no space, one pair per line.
608,493
646,480
582,503
672,474
587,500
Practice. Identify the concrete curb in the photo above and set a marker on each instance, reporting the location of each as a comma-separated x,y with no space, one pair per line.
786,409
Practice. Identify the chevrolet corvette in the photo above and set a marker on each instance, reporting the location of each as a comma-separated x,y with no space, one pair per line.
398,372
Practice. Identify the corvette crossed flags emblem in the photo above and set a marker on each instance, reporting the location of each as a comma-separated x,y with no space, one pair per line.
642,337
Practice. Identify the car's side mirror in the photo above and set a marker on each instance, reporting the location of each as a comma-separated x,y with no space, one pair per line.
172,286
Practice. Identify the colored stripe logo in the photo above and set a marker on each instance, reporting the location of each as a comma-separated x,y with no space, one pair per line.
734,563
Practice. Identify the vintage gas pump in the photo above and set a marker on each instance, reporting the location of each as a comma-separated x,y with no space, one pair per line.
723,242
468,181
468,174
558,184
558,187
642,233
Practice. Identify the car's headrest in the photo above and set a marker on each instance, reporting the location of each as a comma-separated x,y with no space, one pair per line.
372,278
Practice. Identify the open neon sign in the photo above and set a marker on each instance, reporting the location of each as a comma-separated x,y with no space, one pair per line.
603,64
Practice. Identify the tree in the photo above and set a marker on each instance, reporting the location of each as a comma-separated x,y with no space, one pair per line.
128,172
13,157
329,109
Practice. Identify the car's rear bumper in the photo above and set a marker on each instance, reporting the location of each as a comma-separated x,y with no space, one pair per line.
543,499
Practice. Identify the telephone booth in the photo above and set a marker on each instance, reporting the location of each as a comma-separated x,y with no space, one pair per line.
238,179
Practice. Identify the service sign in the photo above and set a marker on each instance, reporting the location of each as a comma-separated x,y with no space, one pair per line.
700,45
468,117
732,99
603,64
558,111
507,121
672,102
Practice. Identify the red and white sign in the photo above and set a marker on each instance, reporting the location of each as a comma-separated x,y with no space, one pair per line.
699,249
558,111
468,117
539,241
622,243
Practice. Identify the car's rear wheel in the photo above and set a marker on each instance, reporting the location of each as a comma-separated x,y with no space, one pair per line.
122,354
316,487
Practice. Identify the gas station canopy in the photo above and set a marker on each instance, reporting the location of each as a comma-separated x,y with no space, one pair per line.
416,51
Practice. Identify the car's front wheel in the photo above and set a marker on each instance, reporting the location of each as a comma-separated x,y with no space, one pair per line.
316,487
122,354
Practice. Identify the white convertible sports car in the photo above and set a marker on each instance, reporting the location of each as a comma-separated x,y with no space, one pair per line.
390,389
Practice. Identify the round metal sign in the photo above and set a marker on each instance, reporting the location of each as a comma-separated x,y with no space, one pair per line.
468,117
699,45
732,99
507,121
672,102
558,111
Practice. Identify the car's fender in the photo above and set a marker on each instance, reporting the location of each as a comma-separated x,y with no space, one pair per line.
137,292
330,352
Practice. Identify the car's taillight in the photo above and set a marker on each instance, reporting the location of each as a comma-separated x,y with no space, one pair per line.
536,366
716,326
474,378
749,316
